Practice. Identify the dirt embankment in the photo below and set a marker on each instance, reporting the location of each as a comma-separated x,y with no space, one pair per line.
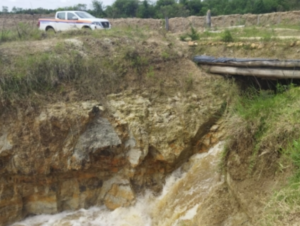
108,116
178,24
100,133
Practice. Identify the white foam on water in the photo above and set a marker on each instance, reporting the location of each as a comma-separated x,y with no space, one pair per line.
136,215
171,180
191,213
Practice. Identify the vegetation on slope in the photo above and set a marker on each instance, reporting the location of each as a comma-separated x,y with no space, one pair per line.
266,125
104,57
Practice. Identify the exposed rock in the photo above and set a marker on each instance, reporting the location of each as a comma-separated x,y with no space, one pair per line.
119,196
253,46
69,195
99,136
134,156
41,203
260,46
192,44
214,128
5,146
67,156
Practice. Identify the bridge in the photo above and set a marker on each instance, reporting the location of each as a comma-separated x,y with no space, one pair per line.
257,67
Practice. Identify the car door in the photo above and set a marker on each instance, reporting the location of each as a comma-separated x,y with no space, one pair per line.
72,21
61,22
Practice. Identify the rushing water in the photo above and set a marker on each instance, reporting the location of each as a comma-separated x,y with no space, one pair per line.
179,202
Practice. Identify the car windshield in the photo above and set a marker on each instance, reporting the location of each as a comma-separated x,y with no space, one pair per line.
84,15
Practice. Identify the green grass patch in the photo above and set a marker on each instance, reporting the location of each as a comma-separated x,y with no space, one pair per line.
272,118
209,34
257,32
21,32
95,62
26,32
226,36
295,27
193,35
284,206
272,123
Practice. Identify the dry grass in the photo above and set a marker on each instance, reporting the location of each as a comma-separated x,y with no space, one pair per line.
283,208
94,64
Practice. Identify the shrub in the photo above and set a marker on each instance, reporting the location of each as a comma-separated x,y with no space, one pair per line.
183,37
226,36
194,35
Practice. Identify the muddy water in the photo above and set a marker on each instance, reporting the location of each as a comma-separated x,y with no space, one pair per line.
179,204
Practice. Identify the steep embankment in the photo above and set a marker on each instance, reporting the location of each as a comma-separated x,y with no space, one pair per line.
97,119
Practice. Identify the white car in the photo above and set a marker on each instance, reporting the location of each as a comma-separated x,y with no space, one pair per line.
72,20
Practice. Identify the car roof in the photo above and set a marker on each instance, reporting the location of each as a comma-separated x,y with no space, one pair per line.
70,11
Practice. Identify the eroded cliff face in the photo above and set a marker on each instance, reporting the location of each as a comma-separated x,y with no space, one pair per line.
71,155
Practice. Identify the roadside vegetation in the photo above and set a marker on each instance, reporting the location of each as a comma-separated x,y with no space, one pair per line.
21,32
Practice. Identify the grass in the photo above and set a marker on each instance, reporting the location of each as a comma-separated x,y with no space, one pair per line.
271,120
230,35
226,36
271,115
287,26
21,32
96,66
284,206
26,32
208,34
257,32
39,73
194,35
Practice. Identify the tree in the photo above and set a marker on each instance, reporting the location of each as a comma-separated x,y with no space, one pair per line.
17,10
81,7
167,8
259,7
145,10
4,9
123,8
193,6
161,3
98,8
111,12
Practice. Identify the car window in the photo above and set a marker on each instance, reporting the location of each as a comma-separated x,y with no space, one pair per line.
61,16
84,15
71,16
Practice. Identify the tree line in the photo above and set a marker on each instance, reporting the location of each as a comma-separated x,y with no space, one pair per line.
170,8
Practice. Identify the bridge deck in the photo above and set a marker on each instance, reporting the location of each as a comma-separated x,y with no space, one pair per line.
258,67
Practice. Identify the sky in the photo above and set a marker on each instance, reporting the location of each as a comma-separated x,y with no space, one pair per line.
47,4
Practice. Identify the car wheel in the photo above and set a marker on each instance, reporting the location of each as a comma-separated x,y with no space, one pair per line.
50,30
86,28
